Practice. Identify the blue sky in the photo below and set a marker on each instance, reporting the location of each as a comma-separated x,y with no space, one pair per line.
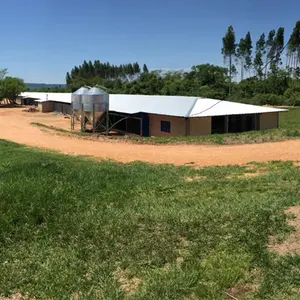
43,39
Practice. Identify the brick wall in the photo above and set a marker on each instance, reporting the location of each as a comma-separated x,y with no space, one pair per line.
177,125
199,126
268,121
47,106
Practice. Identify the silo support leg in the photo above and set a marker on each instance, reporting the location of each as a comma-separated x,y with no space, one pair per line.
94,123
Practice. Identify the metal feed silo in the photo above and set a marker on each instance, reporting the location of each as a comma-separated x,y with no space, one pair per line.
95,103
76,102
76,98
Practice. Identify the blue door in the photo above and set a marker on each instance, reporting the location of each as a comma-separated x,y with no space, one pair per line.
145,124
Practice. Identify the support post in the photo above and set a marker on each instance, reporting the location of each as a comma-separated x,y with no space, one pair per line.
186,126
82,119
257,122
226,125
72,121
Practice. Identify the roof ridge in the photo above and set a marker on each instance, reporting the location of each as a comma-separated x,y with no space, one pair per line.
191,108
219,101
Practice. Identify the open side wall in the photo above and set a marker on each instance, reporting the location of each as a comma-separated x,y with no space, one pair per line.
63,108
126,123
26,101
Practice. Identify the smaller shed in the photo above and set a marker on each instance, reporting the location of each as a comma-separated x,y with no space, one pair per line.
48,102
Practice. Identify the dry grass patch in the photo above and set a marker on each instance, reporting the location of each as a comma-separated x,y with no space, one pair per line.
195,178
292,244
296,163
127,284
17,296
191,296
247,175
239,290
254,170
254,174
183,250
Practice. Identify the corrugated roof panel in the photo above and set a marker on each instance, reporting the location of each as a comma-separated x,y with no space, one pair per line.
163,105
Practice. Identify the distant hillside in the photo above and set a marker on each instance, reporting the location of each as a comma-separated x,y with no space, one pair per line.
44,85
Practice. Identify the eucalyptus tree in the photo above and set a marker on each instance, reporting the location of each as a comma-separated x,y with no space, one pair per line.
293,52
244,54
276,51
260,52
248,52
270,50
145,69
241,54
229,52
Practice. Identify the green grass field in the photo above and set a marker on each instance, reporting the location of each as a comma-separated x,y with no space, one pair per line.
289,128
73,228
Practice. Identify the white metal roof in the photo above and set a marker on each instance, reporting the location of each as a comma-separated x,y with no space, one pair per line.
56,97
162,105
205,107
179,106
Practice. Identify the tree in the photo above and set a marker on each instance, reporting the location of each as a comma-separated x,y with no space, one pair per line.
258,64
145,69
10,88
270,49
241,55
208,75
136,68
68,79
259,56
229,51
84,70
248,51
3,73
91,70
278,45
244,53
293,53
130,70
97,67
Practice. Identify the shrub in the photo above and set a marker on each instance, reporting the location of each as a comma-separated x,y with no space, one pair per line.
268,99
293,99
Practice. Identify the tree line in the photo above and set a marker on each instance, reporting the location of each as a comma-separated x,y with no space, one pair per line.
268,68
95,72
266,59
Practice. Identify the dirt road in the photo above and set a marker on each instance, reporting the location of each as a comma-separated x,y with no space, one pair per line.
15,126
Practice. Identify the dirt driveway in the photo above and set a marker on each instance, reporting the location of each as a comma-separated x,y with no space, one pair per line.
15,126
